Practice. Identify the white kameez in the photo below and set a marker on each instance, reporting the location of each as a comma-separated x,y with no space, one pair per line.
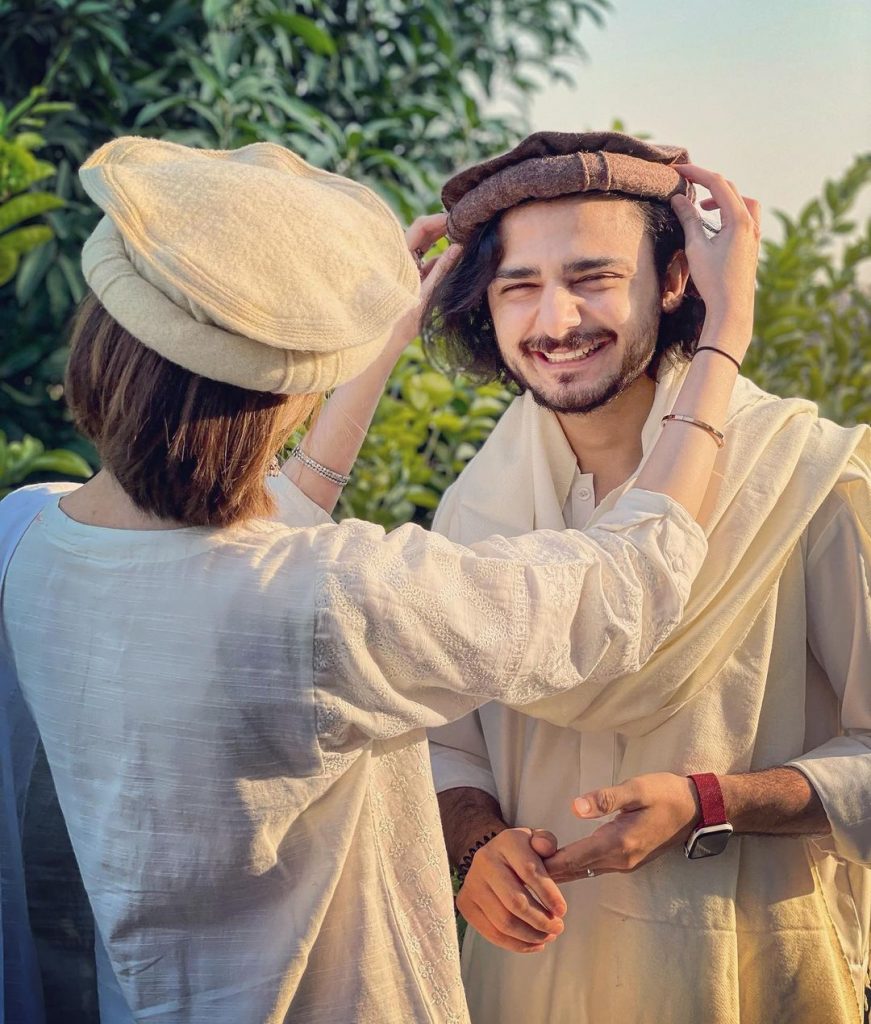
234,722
677,940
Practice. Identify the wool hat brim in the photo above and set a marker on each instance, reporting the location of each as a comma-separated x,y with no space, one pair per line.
547,165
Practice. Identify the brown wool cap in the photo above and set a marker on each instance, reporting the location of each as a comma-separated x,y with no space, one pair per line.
550,164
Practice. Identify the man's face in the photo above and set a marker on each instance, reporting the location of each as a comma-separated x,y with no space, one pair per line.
575,301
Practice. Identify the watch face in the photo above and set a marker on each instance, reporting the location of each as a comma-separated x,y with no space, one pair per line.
708,841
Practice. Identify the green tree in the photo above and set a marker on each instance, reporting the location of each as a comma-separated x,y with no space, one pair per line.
813,308
20,203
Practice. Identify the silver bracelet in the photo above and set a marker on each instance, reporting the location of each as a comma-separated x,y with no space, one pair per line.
316,467
717,435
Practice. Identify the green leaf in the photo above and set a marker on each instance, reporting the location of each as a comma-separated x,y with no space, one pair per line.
214,9
8,265
59,460
315,36
53,107
30,140
34,267
42,170
437,386
22,108
31,401
207,75
20,360
22,240
73,277
112,35
423,497
151,111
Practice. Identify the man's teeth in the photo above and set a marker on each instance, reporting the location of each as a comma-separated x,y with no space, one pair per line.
567,357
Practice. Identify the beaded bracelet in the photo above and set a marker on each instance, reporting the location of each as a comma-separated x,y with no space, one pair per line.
316,467
466,863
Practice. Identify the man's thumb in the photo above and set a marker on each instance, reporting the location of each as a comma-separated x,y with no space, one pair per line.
601,802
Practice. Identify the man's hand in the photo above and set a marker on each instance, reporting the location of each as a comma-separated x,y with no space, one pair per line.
495,897
653,812
722,266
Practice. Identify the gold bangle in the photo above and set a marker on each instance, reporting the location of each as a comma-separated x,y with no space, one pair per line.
718,437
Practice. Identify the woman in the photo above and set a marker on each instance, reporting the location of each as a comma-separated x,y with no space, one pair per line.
231,689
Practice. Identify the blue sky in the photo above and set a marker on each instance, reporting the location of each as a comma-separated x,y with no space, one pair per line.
774,93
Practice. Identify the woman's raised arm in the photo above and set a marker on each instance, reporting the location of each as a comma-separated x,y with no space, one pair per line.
335,438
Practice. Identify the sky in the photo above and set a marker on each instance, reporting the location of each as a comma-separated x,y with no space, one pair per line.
776,94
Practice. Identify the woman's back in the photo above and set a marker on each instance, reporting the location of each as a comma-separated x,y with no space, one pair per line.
174,696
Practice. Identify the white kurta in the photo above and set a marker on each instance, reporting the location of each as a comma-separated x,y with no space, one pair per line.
535,769
234,722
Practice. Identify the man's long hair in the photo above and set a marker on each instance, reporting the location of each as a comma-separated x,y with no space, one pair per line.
457,327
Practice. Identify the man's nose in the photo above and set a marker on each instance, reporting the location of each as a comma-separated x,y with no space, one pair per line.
558,311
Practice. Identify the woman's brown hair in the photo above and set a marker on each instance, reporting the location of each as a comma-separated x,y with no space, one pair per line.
182,447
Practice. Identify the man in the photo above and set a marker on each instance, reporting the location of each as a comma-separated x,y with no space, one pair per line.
573,285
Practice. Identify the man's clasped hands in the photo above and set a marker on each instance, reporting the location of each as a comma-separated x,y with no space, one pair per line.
511,892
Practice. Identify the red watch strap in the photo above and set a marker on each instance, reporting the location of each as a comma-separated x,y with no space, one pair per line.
710,799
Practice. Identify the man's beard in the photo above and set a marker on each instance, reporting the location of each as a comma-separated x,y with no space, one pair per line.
584,398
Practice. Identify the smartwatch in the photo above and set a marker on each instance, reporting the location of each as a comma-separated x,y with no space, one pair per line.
711,832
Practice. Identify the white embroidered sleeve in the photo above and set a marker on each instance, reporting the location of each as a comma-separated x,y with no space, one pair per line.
412,631
839,634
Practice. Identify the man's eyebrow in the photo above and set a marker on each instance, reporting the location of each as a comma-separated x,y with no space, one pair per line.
596,263
575,267
515,273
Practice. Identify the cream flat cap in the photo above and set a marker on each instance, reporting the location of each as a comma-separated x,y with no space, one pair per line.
247,266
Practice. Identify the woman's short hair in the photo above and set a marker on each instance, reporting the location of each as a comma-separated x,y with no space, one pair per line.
183,447
457,327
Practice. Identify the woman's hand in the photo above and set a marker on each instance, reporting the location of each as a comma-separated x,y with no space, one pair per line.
653,812
722,266
421,237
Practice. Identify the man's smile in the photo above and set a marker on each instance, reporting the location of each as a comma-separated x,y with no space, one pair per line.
568,358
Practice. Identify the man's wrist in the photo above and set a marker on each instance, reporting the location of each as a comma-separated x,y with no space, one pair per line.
775,801
468,815
481,830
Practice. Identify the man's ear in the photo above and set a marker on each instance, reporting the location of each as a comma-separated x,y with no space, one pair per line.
675,282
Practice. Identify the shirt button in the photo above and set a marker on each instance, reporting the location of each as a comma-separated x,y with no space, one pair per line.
585,494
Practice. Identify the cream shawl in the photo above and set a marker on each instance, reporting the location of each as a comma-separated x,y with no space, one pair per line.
762,933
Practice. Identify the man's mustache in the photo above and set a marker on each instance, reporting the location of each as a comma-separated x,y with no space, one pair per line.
572,340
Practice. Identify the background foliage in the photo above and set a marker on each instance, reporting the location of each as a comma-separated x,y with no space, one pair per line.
389,91
393,93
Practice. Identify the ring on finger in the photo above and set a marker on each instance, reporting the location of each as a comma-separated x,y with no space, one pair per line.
418,255
591,873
